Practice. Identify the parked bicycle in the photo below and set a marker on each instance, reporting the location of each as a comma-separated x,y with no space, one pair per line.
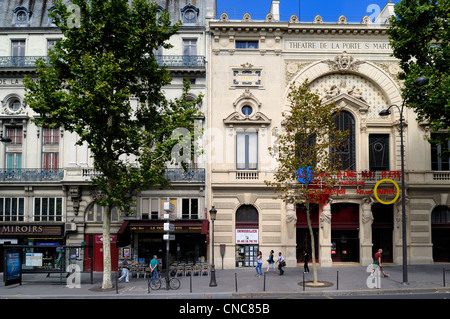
157,283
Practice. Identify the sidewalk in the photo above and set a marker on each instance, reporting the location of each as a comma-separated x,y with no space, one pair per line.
239,283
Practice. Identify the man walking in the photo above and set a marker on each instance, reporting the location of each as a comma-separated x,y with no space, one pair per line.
125,270
377,261
154,268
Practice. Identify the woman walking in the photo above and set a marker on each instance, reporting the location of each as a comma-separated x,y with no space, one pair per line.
259,264
271,262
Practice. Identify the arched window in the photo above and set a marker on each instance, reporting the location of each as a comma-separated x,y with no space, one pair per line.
440,215
94,213
347,152
247,215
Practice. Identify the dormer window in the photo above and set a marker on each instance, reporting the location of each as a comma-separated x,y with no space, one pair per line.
189,14
21,16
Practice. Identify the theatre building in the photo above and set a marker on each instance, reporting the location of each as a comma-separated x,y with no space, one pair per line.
252,65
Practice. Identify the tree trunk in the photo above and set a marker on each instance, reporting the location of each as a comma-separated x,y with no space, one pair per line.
311,234
107,282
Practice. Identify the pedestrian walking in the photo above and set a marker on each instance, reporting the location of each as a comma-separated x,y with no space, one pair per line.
259,264
125,270
271,262
305,259
281,263
377,261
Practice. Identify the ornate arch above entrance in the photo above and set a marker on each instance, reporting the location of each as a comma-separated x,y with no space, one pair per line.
344,65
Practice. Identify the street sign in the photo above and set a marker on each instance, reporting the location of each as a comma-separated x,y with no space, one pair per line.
169,217
168,237
169,207
169,227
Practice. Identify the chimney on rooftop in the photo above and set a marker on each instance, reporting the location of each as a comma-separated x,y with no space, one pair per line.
275,9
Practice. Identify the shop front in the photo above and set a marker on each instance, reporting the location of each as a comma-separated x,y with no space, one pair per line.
247,236
43,239
144,238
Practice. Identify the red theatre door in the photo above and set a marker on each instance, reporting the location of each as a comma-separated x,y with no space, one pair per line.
345,232
97,243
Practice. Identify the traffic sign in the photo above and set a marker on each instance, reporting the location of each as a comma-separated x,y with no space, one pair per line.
169,227
168,237
169,207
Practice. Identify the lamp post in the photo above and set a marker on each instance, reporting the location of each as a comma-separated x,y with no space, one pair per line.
421,81
5,139
212,214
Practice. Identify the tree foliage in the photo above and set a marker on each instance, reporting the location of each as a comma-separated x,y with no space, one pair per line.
309,142
419,35
103,63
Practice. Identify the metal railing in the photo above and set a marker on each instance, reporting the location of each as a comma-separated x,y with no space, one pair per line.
181,60
172,174
19,61
167,60
31,175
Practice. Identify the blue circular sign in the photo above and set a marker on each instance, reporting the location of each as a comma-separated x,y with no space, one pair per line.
305,175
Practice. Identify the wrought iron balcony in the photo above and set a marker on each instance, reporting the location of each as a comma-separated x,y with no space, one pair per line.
181,60
19,61
172,174
31,175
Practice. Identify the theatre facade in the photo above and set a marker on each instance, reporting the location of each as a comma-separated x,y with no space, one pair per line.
252,65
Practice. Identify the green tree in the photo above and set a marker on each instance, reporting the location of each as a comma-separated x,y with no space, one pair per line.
307,149
419,34
104,60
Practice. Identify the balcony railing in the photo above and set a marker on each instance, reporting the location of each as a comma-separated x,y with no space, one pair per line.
19,61
172,174
31,175
181,60
167,60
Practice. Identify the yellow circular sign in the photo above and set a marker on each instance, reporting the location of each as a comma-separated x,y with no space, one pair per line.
375,189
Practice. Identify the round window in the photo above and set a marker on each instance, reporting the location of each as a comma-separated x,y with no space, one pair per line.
247,110
14,105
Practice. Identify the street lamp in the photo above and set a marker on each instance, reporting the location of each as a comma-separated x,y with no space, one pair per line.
212,214
421,81
5,139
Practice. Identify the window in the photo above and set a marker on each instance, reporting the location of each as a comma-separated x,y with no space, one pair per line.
14,156
50,136
48,209
189,208
14,105
246,44
247,150
150,208
12,209
189,14
94,213
22,15
346,150
440,215
51,44
247,110
379,152
15,133
18,47
189,46
247,214
438,163
50,160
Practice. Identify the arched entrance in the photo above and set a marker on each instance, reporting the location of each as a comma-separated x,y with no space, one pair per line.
440,233
345,232
247,236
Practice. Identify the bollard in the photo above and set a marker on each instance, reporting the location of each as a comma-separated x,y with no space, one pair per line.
190,283
304,284
443,275
117,283
337,280
264,287
235,281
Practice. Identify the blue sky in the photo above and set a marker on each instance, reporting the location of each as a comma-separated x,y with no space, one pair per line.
330,10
